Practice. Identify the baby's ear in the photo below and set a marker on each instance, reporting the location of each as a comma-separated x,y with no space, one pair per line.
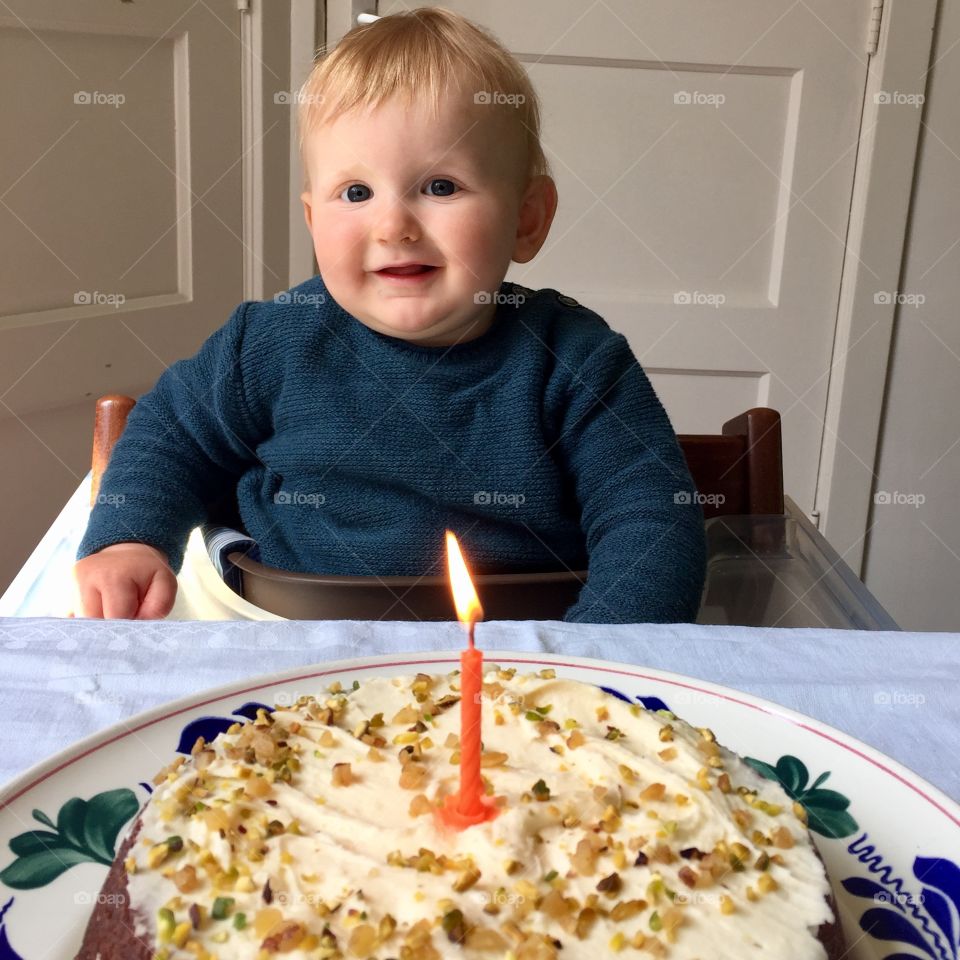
537,209
307,198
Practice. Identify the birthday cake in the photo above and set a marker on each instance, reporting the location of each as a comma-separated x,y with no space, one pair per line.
314,832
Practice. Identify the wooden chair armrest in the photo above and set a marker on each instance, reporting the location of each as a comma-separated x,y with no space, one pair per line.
109,421
764,456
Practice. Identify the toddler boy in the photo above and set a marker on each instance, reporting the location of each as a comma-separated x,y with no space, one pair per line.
408,388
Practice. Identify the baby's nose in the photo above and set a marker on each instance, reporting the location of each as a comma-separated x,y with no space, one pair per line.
396,224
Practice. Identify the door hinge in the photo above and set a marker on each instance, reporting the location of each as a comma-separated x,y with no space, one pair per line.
243,6
873,26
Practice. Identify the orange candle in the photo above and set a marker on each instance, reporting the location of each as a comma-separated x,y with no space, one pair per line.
467,807
471,680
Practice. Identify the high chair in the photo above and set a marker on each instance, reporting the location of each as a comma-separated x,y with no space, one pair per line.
736,472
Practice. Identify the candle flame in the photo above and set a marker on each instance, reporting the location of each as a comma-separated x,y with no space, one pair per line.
465,597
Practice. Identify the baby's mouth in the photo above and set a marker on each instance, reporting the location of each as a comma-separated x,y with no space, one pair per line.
409,270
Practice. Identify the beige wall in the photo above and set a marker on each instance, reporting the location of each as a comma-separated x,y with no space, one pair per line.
912,560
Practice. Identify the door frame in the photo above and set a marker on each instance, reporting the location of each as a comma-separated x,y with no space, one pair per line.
876,237
278,41
307,33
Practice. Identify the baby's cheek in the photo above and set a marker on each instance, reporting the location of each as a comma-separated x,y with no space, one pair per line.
476,236
338,250
491,244
499,223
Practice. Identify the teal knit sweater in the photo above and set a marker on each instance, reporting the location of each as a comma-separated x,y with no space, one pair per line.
541,444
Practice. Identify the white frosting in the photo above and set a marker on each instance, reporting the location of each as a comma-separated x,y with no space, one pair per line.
339,862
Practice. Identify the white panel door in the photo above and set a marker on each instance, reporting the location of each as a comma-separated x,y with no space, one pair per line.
704,154
120,192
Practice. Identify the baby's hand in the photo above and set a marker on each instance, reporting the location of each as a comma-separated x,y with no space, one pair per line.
132,581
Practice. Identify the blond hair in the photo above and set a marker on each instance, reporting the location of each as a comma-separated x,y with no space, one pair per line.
420,54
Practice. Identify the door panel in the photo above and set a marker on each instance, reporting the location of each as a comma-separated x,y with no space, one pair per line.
120,224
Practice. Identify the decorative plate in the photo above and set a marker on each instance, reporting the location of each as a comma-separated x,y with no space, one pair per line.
890,841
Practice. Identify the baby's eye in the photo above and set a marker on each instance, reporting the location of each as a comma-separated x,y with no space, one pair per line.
446,187
355,193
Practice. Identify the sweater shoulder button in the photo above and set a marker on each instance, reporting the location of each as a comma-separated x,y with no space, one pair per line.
567,301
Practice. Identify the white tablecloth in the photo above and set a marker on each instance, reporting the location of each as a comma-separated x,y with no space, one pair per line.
61,680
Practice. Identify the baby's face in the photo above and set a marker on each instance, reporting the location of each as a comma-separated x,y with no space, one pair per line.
393,186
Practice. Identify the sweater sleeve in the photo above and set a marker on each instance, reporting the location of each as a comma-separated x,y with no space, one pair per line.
644,529
184,442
